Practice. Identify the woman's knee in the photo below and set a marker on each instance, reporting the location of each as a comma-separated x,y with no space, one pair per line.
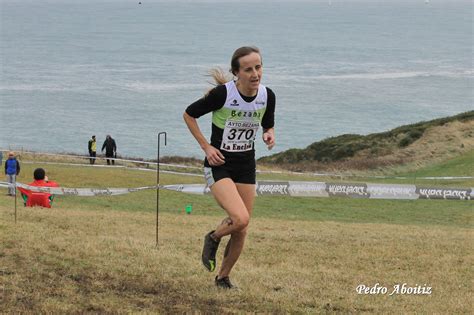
241,221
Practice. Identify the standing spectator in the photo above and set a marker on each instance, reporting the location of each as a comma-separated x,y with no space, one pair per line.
110,149
1,157
92,146
12,170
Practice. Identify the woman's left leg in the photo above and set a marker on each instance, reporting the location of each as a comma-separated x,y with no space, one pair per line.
237,239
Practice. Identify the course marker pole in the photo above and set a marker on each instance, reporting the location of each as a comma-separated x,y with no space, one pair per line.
158,184
16,193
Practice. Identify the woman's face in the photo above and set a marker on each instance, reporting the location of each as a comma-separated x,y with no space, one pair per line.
249,74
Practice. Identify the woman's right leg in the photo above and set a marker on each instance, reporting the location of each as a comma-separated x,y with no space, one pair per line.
236,243
226,194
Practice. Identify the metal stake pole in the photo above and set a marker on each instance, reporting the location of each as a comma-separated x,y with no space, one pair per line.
15,201
158,184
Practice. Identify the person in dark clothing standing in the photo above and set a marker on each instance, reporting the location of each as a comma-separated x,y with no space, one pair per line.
12,170
110,149
92,146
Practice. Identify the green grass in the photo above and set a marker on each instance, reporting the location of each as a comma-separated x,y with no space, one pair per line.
458,166
416,212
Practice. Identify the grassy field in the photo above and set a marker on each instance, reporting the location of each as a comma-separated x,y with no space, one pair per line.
303,255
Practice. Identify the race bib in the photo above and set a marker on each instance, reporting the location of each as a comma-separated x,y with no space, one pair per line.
239,136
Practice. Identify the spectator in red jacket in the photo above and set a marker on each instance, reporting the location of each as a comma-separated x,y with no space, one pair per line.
42,199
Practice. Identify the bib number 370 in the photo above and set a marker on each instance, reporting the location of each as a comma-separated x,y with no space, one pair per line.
239,136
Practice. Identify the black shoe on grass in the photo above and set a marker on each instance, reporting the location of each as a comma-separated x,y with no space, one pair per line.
209,252
224,283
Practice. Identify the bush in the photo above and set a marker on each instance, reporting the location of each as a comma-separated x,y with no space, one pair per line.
416,133
405,142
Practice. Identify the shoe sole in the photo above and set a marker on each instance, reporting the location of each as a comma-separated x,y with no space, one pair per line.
209,267
209,264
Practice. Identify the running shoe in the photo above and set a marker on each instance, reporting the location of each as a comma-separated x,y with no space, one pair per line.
209,252
224,283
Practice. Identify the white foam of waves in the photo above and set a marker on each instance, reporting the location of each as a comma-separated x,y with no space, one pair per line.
136,86
102,68
42,87
466,73
375,76
148,86
206,66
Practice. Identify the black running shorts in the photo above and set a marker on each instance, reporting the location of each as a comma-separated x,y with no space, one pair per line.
242,174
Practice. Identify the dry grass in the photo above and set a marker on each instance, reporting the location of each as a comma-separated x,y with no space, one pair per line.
437,144
440,143
66,260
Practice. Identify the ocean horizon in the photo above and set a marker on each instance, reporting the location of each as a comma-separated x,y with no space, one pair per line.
72,69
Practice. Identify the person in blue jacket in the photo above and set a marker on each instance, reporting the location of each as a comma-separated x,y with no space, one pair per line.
12,170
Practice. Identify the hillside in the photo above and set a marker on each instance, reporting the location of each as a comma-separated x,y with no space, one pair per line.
410,146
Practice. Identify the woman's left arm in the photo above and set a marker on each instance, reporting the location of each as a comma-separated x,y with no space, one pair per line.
268,121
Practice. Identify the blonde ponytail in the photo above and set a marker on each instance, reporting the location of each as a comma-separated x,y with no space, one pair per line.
220,76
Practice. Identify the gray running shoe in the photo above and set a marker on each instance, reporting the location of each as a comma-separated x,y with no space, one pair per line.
209,252
224,283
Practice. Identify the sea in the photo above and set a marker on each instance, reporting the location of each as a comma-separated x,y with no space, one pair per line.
72,69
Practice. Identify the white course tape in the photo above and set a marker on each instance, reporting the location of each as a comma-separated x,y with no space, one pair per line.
352,190
5,184
84,192
285,188
197,189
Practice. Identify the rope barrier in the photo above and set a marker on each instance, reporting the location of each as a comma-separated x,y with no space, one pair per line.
285,188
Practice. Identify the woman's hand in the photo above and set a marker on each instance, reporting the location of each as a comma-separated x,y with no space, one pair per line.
214,156
269,138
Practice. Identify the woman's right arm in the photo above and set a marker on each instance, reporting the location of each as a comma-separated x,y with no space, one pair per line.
213,155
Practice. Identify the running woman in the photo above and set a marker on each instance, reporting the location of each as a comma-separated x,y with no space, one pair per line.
239,108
